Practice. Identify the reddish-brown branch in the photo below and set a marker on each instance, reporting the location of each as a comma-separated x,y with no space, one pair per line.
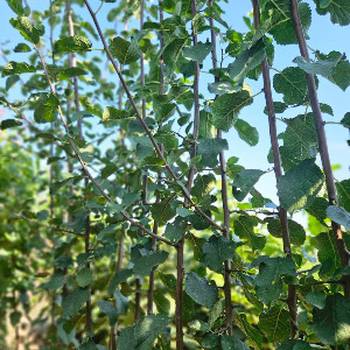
282,213
224,197
190,178
322,142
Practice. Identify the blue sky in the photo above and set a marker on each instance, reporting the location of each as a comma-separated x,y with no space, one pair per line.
325,37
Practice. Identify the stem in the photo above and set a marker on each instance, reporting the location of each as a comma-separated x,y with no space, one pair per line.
282,213
148,132
72,64
191,174
322,143
150,292
137,299
224,197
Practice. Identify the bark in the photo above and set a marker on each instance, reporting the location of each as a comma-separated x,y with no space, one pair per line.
224,198
322,143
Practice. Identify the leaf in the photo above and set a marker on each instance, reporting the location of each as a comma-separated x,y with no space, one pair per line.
275,323
46,108
291,82
17,68
175,231
84,277
73,301
232,343
280,22
343,189
112,113
335,68
125,51
245,229
244,182
296,231
269,280
339,10
339,215
16,6
55,282
299,140
76,43
317,299
29,31
215,313
295,345
200,290
9,123
216,250
225,108
144,260
209,149
22,47
297,187
246,132
198,52
143,334
248,60
346,120
332,323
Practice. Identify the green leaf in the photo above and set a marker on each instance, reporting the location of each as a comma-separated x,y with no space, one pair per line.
71,72
164,211
215,313
280,22
55,282
245,229
339,215
84,277
269,280
125,51
143,334
336,68
17,68
216,250
317,299
225,108
248,60
299,140
175,231
16,6
209,149
73,301
29,31
346,120
247,132
9,123
339,10
22,47
200,290
145,260
244,182
299,185
332,323
112,113
232,343
296,231
275,323
291,82
343,189
76,43
295,345
198,52
46,108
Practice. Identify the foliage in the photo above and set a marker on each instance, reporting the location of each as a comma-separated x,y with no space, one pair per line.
122,225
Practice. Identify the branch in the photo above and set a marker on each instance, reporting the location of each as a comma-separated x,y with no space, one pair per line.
224,195
282,212
322,142
83,164
158,150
